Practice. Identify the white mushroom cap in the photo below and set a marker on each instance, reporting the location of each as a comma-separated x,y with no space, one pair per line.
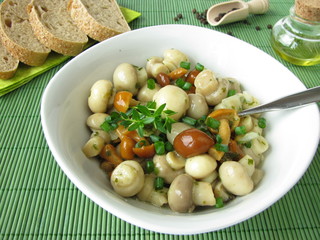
146,94
175,99
155,66
100,93
198,106
127,178
206,83
173,58
200,166
125,78
235,178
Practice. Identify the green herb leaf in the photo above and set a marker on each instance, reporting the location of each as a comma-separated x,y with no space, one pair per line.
148,120
159,110
144,110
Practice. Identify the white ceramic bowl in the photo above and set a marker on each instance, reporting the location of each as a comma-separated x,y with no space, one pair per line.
293,134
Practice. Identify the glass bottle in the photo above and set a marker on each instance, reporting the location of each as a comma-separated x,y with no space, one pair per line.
296,38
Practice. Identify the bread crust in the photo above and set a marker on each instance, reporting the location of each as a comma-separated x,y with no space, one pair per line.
8,64
23,54
88,24
49,39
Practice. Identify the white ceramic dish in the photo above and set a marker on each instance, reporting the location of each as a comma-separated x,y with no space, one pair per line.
293,134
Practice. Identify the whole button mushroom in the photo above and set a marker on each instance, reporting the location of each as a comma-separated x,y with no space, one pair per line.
198,106
146,94
95,120
235,178
127,178
180,197
200,166
100,93
220,93
125,78
164,170
175,99
206,82
173,58
155,66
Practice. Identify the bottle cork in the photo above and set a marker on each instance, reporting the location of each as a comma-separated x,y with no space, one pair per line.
308,9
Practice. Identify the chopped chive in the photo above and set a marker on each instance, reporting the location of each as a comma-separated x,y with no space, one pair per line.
186,86
199,67
262,122
212,123
219,202
160,148
218,138
231,92
221,147
180,82
185,65
151,83
240,130
189,120
248,144
158,183
149,166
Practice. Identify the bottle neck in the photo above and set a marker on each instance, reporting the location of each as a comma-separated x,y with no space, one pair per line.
299,19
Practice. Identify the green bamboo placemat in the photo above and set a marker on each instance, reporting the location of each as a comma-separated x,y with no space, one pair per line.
37,201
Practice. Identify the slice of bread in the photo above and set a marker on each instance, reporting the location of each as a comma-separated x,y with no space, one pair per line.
99,19
8,64
17,35
53,26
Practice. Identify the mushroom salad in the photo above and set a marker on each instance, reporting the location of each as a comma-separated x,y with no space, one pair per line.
169,134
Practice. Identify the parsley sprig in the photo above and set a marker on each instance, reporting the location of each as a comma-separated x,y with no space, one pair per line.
141,118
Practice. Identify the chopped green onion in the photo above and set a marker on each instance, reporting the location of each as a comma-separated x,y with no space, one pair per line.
241,130
160,148
189,120
219,202
168,146
185,65
262,122
212,123
221,147
231,92
248,144
180,82
158,183
218,138
149,166
186,86
202,120
199,67
151,83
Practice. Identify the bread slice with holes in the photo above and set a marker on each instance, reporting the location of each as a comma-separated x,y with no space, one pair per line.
8,63
99,19
54,28
17,35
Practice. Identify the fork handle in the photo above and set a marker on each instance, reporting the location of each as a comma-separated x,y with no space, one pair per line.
295,100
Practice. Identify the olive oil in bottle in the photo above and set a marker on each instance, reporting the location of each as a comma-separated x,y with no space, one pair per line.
296,38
